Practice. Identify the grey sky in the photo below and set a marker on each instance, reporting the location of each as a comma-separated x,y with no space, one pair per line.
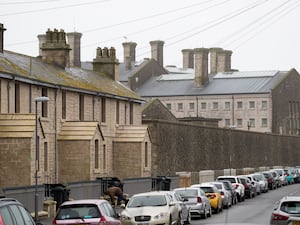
263,34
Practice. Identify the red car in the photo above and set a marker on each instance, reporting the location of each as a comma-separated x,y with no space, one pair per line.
87,212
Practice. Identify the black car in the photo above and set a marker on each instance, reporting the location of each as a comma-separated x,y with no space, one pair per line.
12,212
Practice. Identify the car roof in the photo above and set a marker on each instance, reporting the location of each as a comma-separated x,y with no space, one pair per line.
84,201
151,193
203,185
290,198
7,201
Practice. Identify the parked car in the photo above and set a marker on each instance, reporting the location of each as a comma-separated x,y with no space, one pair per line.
277,178
197,201
213,194
282,176
255,183
285,208
185,214
237,184
155,207
225,193
270,179
289,175
86,211
228,186
13,212
262,181
250,191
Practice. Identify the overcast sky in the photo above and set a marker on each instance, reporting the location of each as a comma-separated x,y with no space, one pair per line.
263,34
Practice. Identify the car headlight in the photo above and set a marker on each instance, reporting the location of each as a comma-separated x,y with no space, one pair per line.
124,216
161,215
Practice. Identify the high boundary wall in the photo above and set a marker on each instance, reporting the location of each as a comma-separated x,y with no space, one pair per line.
178,146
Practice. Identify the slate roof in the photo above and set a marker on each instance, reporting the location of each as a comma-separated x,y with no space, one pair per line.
33,70
182,84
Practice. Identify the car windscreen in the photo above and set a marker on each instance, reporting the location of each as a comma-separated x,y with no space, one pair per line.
291,207
208,189
232,180
85,211
147,200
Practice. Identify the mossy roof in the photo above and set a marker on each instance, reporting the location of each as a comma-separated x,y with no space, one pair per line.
34,69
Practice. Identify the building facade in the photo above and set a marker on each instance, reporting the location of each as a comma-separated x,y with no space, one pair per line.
86,122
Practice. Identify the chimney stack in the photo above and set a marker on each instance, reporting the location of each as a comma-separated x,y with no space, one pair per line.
188,58
214,60
106,62
157,51
56,50
129,53
75,45
224,61
201,66
2,29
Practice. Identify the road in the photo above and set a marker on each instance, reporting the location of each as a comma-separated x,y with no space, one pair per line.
256,210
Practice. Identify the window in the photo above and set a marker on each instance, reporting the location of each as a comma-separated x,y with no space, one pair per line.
45,156
81,107
44,104
203,105
146,154
264,104
180,107
227,105
239,122
251,104
192,106
239,105
17,98
103,110
118,112
63,104
215,105
104,157
227,122
169,106
264,122
252,122
131,113
96,154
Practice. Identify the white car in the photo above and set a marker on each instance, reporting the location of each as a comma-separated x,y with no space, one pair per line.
237,184
255,183
150,208
262,181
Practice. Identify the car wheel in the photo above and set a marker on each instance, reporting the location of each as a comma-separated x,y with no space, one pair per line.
204,215
209,212
170,220
189,218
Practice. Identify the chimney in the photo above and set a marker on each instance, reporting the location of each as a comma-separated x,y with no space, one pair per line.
75,45
129,54
2,29
106,62
188,58
56,50
214,59
42,40
157,52
224,61
201,66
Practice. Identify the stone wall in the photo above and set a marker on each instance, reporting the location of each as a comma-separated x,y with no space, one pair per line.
185,147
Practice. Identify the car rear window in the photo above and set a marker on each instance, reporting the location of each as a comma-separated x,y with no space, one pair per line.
208,189
187,192
291,207
78,211
149,200
232,180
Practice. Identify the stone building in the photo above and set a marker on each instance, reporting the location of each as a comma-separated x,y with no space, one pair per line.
88,123
207,87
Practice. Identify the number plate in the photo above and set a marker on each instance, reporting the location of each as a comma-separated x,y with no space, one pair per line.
142,223
296,223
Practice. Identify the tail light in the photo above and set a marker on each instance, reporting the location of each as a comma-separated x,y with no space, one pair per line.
212,196
235,186
246,185
102,221
199,200
1,221
222,193
53,222
276,216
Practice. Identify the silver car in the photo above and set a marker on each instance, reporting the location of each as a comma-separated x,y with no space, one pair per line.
226,194
197,201
262,181
285,208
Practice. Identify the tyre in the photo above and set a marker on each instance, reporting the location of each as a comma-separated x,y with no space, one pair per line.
189,218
